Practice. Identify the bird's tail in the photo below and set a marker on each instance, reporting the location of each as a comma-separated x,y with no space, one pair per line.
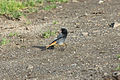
53,43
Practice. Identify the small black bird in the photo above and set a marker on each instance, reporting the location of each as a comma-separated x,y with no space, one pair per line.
60,38
112,25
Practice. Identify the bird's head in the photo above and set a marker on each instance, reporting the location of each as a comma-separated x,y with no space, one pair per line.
64,31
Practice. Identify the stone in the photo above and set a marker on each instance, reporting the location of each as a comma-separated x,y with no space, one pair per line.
85,33
30,67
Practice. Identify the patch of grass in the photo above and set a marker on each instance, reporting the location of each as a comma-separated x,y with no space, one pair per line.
57,1
13,8
32,10
118,67
28,22
49,7
63,1
17,14
48,33
12,34
29,3
55,22
32,3
118,56
4,41
40,1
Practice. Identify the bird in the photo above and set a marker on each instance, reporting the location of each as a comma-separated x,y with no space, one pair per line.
60,38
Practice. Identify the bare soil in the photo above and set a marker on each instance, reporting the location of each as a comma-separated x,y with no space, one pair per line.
92,46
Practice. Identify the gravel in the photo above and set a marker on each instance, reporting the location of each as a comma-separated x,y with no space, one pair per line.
92,45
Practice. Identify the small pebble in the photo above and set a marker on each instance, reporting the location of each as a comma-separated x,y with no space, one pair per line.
32,79
74,1
29,67
85,33
116,25
74,64
100,1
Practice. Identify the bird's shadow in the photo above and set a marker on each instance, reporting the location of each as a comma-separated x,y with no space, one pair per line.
43,48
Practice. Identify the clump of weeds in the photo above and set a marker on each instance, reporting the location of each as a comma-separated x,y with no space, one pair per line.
12,34
48,33
4,41
49,7
55,22
14,9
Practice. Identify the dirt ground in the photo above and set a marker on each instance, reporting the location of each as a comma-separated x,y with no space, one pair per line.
92,46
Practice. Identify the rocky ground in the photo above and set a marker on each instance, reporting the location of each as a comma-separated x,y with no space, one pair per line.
92,45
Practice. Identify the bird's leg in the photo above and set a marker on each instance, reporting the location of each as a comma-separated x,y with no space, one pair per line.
63,47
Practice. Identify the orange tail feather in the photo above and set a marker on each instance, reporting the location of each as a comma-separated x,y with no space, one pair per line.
53,43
